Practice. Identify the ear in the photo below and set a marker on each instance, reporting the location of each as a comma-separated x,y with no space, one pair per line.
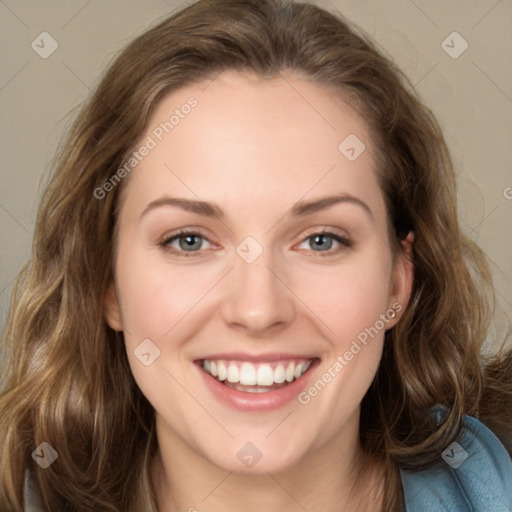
112,308
402,279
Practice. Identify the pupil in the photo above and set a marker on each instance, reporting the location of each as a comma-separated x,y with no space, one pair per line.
191,242
322,244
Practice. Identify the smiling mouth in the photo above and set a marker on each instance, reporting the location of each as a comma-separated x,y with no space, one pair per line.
256,377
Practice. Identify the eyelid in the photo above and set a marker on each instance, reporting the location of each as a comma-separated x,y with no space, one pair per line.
168,238
184,231
326,230
341,237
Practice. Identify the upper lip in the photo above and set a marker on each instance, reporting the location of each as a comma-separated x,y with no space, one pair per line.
255,358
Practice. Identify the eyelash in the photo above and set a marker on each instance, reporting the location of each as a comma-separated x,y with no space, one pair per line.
344,242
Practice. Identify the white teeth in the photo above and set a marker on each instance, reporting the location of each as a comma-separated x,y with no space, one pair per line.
233,373
249,374
222,371
265,375
290,372
251,390
279,376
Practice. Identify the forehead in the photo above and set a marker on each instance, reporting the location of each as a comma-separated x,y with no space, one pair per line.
246,140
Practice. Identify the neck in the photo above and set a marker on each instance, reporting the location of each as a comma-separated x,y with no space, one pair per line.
331,478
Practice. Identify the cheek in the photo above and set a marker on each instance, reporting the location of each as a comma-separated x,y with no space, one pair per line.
345,298
348,298
158,300
156,296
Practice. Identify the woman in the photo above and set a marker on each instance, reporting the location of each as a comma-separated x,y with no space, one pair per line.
249,290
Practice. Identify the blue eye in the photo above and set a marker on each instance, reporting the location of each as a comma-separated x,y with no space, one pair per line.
188,242
324,242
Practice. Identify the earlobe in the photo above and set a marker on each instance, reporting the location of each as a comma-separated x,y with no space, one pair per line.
112,309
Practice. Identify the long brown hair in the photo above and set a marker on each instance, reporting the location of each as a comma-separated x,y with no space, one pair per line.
66,376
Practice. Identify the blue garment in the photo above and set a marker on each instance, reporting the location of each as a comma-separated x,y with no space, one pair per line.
476,476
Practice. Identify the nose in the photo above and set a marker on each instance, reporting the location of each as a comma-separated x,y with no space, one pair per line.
257,299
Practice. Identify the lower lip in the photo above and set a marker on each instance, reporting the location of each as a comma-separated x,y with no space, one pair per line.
267,401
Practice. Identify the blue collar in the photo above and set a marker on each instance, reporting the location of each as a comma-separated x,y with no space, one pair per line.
475,476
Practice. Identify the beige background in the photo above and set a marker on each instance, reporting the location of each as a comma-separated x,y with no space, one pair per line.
471,96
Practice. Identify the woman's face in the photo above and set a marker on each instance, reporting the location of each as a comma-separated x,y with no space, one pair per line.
285,271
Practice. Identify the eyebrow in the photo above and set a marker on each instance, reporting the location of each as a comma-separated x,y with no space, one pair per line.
300,209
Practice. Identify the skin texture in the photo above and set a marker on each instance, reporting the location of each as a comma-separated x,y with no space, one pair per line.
255,148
